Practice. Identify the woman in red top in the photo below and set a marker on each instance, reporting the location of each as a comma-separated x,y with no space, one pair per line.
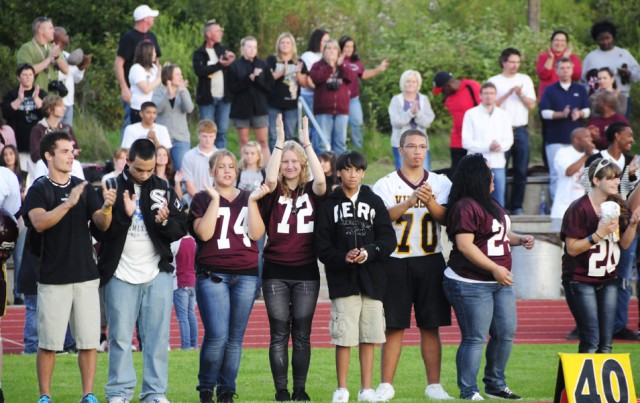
546,65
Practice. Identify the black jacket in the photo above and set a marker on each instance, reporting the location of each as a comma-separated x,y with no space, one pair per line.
204,71
339,229
153,193
249,97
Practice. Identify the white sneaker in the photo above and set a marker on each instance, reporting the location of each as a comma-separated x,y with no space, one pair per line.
367,395
341,395
476,396
118,400
437,392
134,348
103,347
385,392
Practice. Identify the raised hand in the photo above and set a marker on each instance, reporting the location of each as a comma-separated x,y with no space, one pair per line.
109,196
36,96
76,192
304,131
424,193
129,203
211,191
279,130
260,192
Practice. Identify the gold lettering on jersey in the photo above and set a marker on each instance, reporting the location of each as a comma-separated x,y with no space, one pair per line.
418,204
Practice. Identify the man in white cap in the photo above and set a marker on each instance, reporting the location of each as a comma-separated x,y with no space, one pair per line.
144,17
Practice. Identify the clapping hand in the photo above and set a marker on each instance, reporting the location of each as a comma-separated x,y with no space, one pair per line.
75,194
260,192
304,132
129,203
109,196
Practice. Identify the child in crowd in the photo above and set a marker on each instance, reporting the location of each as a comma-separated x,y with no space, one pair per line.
252,171
328,161
354,236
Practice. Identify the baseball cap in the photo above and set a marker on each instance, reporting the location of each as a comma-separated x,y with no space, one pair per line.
440,80
144,11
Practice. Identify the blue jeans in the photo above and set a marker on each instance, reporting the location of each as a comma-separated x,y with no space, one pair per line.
290,306
218,111
225,307
593,307
500,183
520,154
178,151
17,261
482,308
290,120
356,119
68,116
334,132
150,304
31,323
397,159
625,274
184,303
126,108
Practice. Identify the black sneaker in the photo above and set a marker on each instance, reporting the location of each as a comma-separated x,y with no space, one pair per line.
299,395
1,396
625,334
226,396
206,396
573,335
505,393
18,301
282,395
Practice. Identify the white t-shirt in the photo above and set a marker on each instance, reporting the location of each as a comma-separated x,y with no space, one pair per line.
418,234
217,78
138,74
513,105
136,131
569,188
139,260
309,59
74,76
10,198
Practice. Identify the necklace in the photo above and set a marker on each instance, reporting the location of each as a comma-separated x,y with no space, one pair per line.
294,207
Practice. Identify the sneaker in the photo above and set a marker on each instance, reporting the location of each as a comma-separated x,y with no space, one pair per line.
475,396
505,393
18,301
118,400
437,392
385,392
160,399
44,399
62,352
103,347
300,395
89,398
625,334
226,396
282,395
573,335
341,395
134,348
367,395
1,396
206,396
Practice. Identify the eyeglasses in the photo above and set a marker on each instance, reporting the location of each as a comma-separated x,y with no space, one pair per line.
414,147
603,163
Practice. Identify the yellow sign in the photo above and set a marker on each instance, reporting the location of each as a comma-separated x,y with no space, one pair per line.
586,378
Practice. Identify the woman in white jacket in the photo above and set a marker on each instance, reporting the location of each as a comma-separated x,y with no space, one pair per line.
409,110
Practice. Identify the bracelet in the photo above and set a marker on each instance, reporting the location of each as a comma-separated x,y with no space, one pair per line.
107,212
307,145
591,240
277,148
599,236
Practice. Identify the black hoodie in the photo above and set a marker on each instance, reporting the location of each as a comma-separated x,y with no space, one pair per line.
341,226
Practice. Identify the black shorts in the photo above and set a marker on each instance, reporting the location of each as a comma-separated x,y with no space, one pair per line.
416,281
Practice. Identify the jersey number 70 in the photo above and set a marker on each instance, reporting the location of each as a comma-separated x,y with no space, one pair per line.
428,233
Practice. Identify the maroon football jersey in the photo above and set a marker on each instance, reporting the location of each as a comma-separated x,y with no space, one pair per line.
596,265
289,222
491,236
230,247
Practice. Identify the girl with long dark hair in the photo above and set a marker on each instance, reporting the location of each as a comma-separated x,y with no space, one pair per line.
478,281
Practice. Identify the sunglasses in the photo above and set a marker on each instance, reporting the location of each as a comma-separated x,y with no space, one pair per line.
603,163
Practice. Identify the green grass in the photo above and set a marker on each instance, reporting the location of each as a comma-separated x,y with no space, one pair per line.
531,373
